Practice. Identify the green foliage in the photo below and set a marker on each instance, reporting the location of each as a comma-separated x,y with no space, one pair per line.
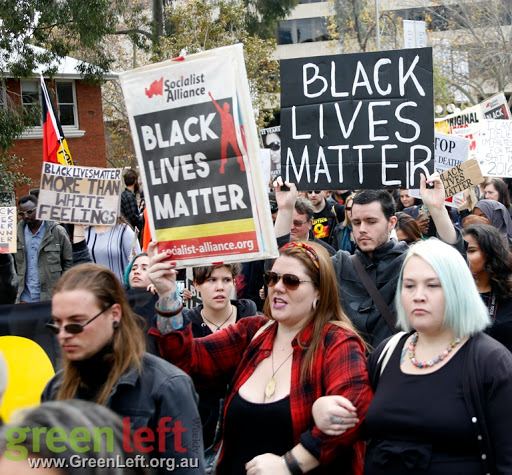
62,28
200,25
262,16
12,126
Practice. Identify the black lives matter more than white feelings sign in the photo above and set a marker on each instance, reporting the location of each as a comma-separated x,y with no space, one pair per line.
359,120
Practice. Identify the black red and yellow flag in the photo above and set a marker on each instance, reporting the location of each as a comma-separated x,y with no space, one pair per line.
55,147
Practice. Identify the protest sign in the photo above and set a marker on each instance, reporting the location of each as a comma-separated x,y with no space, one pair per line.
271,138
265,165
79,195
494,147
198,151
461,177
7,229
415,34
450,151
358,120
467,123
496,107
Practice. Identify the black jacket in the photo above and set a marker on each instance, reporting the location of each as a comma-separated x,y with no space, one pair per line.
384,268
160,390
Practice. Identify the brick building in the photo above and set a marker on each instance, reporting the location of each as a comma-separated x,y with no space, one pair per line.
80,112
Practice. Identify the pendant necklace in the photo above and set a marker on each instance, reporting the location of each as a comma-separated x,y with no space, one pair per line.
271,386
218,327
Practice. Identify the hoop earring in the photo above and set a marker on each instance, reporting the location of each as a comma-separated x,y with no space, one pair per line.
315,304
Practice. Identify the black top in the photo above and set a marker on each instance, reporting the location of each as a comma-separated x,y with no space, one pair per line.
209,400
419,423
501,316
267,428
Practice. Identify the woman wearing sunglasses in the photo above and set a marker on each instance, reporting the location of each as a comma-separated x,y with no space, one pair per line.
104,361
276,367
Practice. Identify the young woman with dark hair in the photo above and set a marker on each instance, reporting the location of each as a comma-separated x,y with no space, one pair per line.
490,262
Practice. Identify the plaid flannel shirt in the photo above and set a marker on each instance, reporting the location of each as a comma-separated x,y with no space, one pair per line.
231,356
130,209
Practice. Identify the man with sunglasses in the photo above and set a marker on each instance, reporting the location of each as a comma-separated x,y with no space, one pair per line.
44,253
326,216
303,222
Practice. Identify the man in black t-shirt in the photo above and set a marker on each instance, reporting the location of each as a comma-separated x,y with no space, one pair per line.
326,217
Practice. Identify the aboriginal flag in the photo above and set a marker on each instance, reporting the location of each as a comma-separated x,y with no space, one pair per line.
55,147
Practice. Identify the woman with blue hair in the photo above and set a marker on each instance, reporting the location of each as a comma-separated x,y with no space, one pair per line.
136,273
443,387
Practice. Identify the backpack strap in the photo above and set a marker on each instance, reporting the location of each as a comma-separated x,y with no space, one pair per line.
374,293
388,350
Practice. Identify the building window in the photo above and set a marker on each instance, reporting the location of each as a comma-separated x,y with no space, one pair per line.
66,103
30,98
305,30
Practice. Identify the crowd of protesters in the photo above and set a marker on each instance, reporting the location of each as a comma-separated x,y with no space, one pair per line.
310,374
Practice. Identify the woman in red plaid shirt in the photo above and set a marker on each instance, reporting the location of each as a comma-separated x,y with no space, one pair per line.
276,367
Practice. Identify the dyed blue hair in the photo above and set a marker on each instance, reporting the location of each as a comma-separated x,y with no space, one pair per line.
129,269
465,312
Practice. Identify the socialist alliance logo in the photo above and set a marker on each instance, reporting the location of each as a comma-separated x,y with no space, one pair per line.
156,88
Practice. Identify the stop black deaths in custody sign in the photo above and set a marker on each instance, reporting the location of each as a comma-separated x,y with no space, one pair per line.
358,121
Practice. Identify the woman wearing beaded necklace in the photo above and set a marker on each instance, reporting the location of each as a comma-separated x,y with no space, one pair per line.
276,368
442,398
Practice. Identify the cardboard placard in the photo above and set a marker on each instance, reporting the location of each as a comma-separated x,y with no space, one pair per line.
461,177
79,195
358,121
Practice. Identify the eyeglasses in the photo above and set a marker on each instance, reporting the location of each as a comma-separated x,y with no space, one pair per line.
298,224
28,211
73,328
274,146
290,281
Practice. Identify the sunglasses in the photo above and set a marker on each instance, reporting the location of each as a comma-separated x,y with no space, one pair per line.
74,328
274,146
298,224
23,213
290,281
314,192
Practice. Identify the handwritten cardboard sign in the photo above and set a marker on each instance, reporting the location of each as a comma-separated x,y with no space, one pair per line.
359,120
461,177
79,195
7,229
494,145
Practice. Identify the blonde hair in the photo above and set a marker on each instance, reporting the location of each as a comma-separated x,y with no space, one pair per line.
128,342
